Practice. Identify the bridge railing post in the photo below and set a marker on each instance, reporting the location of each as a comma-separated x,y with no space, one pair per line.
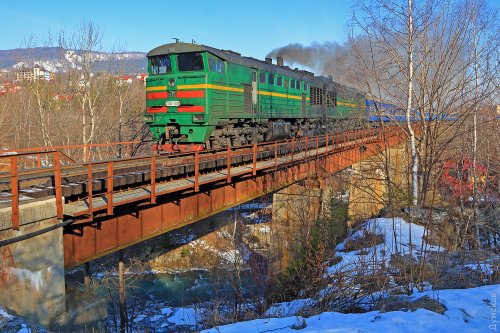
57,184
306,151
317,146
86,149
228,179
109,194
327,146
254,160
14,186
90,183
275,155
196,171
153,179
128,150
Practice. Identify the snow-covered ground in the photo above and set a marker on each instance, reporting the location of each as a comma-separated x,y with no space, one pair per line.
468,310
396,237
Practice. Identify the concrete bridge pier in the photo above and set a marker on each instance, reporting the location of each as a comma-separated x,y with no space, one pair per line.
368,192
294,209
32,281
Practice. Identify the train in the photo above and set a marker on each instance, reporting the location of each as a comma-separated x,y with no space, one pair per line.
199,97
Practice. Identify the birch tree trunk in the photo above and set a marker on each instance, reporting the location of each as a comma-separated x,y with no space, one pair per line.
474,125
411,132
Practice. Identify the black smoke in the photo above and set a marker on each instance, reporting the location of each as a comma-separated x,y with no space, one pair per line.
313,56
329,58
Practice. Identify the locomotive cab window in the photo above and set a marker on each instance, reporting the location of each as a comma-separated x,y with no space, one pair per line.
190,62
160,64
216,65
262,77
271,78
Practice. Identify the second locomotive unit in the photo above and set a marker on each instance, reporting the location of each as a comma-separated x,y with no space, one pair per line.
199,97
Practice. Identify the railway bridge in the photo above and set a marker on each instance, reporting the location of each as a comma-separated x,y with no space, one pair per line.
59,209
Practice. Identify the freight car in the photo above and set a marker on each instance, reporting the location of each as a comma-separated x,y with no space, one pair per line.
199,97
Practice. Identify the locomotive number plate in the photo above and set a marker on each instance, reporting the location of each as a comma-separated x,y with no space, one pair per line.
172,103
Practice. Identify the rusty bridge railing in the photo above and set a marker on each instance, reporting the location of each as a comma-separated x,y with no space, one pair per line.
274,154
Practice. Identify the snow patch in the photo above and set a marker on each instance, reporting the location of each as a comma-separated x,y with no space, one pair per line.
24,329
139,318
287,309
399,237
468,310
155,318
481,268
166,311
4,314
184,317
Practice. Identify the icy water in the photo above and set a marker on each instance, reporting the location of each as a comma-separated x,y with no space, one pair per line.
192,287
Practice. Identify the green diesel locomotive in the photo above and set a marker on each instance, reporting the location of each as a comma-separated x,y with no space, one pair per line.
199,97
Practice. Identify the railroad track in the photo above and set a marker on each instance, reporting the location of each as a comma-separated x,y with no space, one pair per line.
132,172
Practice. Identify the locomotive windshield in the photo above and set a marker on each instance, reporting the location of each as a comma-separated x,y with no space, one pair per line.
161,64
190,62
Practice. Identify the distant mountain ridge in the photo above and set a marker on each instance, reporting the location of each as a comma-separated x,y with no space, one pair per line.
57,59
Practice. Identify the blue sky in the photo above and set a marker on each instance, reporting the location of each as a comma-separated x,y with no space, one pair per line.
251,27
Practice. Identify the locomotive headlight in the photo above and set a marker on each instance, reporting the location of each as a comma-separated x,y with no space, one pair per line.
148,118
198,117
171,82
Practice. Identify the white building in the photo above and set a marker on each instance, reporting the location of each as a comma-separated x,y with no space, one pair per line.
34,74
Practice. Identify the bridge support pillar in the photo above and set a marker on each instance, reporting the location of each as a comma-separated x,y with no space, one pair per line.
368,185
32,281
295,208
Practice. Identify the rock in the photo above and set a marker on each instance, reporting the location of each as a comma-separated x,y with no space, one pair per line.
424,215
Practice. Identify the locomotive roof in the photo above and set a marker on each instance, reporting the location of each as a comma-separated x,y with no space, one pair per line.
232,57
237,58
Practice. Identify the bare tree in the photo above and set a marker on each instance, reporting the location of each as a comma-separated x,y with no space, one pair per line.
83,46
423,47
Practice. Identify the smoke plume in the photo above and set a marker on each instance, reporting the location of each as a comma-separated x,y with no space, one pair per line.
327,58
